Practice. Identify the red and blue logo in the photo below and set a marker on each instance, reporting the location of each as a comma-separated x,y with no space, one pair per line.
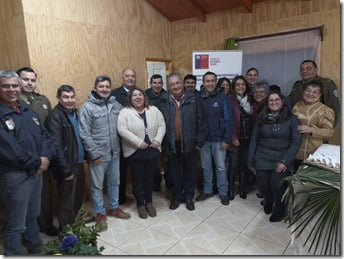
202,61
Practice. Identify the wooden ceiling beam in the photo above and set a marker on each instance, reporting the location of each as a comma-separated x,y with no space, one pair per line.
248,5
197,10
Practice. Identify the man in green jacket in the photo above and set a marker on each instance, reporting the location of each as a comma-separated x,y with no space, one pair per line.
330,96
40,104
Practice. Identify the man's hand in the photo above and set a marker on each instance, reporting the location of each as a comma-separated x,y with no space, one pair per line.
281,168
224,145
97,161
44,165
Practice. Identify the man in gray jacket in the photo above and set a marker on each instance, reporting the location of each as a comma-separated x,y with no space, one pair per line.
98,131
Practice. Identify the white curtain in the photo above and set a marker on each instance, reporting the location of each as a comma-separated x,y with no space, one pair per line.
278,58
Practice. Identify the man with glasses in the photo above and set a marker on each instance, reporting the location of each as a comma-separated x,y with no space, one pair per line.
26,150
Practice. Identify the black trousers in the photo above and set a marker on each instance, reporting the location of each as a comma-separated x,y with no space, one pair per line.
46,216
183,174
70,196
268,184
123,167
238,167
142,172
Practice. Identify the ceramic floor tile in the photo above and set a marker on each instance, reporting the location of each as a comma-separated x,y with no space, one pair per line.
202,211
109,249
176,224
213,238
247,245
148,242
119,231
183,248
233,217
261,227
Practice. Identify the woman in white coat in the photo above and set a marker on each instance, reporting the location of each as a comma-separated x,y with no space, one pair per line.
142,128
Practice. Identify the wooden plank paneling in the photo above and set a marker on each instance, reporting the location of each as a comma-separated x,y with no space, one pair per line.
13,45
71,42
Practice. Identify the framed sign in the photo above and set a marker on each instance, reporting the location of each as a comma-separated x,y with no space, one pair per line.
157,66
224,63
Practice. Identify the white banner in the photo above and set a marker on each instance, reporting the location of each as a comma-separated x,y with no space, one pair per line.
224,63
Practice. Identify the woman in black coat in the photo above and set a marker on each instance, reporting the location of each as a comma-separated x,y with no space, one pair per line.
273,147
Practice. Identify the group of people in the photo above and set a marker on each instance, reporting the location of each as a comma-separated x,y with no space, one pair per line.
228,130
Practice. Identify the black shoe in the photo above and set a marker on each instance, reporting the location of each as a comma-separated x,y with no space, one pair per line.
174,205
243,196
190,205
203,196
278,213
268,208
275,217
224,199
52,231
259,195
262,202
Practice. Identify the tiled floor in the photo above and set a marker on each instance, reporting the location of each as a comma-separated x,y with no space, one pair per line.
241,228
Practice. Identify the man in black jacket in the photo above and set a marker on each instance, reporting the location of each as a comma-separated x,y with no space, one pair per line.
67,165
186,131
25,153
121,94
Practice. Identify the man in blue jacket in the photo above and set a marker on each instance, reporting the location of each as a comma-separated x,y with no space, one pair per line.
221,123
25,153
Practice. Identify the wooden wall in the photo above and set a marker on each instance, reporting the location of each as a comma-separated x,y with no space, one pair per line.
71,42
13,45
267,17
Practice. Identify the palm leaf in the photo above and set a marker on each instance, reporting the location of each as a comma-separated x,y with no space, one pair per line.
312,201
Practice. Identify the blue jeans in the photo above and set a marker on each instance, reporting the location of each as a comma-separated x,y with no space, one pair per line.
214,150
110,169
21,196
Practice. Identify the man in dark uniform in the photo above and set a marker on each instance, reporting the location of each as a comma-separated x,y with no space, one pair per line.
40,104
309,71
25,153
121,94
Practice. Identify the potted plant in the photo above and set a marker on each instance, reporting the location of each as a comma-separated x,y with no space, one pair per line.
76,239
312,202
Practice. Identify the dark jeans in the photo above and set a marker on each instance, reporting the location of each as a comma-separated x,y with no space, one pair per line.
46,216
21,196
70,196
183,174
238,167
268,184
142,172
